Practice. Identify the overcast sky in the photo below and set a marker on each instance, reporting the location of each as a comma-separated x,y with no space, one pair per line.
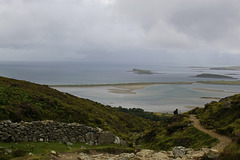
132,31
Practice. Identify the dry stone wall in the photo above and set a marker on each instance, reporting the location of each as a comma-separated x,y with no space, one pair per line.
50,131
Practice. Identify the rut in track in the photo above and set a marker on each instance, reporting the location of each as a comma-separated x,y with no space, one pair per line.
223,140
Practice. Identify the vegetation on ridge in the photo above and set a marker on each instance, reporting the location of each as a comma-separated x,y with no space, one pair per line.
224,118
141,113
207,75
175,131
25,101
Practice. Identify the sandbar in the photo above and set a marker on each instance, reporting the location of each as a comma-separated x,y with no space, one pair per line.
220,82
214,98
118,84
128,89
122,88
213,90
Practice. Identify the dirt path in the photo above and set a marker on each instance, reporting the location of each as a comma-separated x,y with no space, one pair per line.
223,140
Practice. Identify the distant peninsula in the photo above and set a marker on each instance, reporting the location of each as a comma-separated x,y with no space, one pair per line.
207,75
226,68
141,71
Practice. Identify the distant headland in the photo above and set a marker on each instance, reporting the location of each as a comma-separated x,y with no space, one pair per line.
226,68
208,75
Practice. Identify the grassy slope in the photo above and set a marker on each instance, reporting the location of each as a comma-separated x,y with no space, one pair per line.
224,117
41,151
175,131
21,100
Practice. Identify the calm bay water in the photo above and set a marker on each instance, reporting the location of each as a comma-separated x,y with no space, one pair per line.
159,98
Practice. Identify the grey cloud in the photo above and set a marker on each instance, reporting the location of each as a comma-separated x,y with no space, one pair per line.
209,21
135,30
201,22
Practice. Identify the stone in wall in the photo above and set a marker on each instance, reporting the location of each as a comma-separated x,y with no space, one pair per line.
106,138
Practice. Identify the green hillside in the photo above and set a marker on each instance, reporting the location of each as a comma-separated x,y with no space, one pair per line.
25,101
175,131
224,118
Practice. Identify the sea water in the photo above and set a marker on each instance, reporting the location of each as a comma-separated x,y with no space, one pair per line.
157,98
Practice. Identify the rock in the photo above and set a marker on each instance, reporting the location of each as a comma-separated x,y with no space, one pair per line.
117,140
97,156
91,138
65,139
72,139
124,143
5,137
30,154
145,153
83,156
99,129
197,154
213,154
106,138
7,121
160,156
170,154
8,150
178,151
205,150
126,156
53,152
188,150
81,139
69,143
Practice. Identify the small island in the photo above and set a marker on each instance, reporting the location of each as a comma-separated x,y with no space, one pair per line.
208,75
141,71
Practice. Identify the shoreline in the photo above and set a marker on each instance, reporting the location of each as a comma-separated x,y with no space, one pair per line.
214,90
118,84
147,83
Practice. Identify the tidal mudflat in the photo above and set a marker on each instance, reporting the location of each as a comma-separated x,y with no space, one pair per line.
164,97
